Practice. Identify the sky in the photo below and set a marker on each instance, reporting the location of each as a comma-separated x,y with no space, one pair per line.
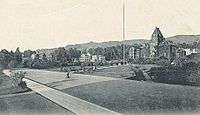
36,24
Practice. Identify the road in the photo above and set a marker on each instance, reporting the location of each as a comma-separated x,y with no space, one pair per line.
74,104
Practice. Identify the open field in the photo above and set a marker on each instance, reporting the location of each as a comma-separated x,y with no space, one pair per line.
127,96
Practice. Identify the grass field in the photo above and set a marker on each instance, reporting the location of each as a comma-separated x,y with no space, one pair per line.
127,96
122,71
30,104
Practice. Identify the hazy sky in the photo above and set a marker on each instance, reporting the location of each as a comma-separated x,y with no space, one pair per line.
33,24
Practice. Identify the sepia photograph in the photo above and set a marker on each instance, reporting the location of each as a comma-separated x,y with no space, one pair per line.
99,57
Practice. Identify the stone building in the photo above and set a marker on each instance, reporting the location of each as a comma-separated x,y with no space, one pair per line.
180,53
135,53
161,48
166,50
156,39
139,52
145,51
132,53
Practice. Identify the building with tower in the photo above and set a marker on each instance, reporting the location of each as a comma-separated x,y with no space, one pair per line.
156,39
160,47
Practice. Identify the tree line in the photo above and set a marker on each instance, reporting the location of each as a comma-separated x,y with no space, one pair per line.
59,57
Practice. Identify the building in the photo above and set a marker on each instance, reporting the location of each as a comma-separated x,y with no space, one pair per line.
156,39
139,52
145,51
85,57
33,56
180,53
161,48
135,53
190,51
166,50
97,58
132,53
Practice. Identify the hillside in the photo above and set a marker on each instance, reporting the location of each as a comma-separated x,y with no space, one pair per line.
184,38
175,39
94,45
105,44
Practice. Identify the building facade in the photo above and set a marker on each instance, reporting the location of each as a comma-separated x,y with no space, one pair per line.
180,53
85,57
156,40
132,53
166,50
161,48
190,51
98,58
139,52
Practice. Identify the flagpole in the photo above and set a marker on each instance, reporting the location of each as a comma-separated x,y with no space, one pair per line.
123,36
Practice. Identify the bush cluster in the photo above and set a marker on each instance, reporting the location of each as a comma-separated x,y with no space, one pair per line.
188,74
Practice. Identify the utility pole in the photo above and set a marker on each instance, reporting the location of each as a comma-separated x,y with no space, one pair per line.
124,29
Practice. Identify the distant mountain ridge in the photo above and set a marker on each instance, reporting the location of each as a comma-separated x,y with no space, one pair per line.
176,39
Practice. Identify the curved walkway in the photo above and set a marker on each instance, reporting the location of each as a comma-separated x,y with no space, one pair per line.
36,79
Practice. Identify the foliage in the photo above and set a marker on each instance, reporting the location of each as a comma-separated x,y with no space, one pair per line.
137,73
62,56
38,63
17,79
187,74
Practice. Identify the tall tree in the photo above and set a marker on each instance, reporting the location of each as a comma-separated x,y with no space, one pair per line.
18,56
5,58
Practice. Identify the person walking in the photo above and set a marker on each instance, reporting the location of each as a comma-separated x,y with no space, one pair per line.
68,74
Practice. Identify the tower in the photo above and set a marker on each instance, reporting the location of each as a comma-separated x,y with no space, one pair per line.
157,36
156,39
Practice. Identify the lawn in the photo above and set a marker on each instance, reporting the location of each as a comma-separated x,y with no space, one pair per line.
30,104
127,96
122,71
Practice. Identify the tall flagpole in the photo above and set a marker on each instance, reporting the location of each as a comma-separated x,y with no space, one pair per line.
124,35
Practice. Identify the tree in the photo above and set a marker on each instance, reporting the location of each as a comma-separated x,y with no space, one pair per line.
40,63
28,53
18,56
44,58
91,51
17,79
45,61
5,58
73,54
60,55
84,51
99,51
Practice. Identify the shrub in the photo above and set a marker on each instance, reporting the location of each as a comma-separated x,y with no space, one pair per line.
17,79
137,74
188,74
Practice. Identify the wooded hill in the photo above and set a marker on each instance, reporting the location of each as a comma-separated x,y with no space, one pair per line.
180,39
